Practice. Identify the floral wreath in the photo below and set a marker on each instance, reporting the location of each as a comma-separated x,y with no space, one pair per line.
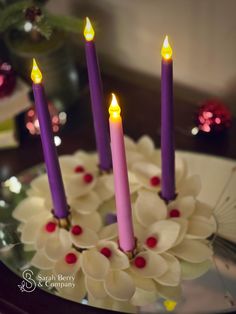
172,240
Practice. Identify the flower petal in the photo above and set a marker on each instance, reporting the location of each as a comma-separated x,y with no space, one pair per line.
192,251
74,293
180,169
200,228
203,209
41,261
103,189
133,157
91,221
94,264
87,239
27,208
143,297
190,271
95,288
171,293
190,186
107,207
88,160
119,285
118,260
145,145
186,206
43,235
40,186
68,164
57,246
172,276
149,208
144,284
133,183
183,229
62,267
76,187
129,143
144,171
166,233
86,204
109,232
33,226
155,265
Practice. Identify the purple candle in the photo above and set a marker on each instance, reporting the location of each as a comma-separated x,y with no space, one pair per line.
49,149
167,124
96,94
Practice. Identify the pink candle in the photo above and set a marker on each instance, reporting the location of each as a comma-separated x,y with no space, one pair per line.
122,194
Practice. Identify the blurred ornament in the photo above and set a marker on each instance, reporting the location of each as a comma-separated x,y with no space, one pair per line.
7,79
212,117
32,124
33,14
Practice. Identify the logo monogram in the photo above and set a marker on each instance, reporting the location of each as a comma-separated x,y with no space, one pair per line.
28,284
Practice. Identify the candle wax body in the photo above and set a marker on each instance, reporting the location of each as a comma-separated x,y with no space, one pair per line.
99,118
122,194
167,131
50,153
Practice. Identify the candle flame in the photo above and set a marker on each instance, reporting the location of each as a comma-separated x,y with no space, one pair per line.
166,50
88,30
36,74
114,109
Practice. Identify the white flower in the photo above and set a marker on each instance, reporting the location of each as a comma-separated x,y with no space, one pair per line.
43,233
41,230
153,216
144,161
68,264
104,268
80,188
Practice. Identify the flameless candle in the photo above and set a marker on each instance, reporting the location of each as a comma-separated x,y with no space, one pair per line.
49,149
122,193
97,100
167,124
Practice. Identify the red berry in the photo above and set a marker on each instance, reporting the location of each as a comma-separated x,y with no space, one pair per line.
71,258
151,242
140,262
88,178
50,226
106,252
79,169
174,213
76,230
155,181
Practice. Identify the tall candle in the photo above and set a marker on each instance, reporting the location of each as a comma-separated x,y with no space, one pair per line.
97,100
122,193
50,154
167,124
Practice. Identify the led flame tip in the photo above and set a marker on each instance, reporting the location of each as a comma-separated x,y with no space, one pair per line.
166,50
114,109
88,30
36,74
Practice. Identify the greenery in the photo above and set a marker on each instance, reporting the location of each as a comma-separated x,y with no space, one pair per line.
14,17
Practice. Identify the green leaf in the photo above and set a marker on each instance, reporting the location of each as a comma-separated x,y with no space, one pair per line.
66,23
44,28
13,14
